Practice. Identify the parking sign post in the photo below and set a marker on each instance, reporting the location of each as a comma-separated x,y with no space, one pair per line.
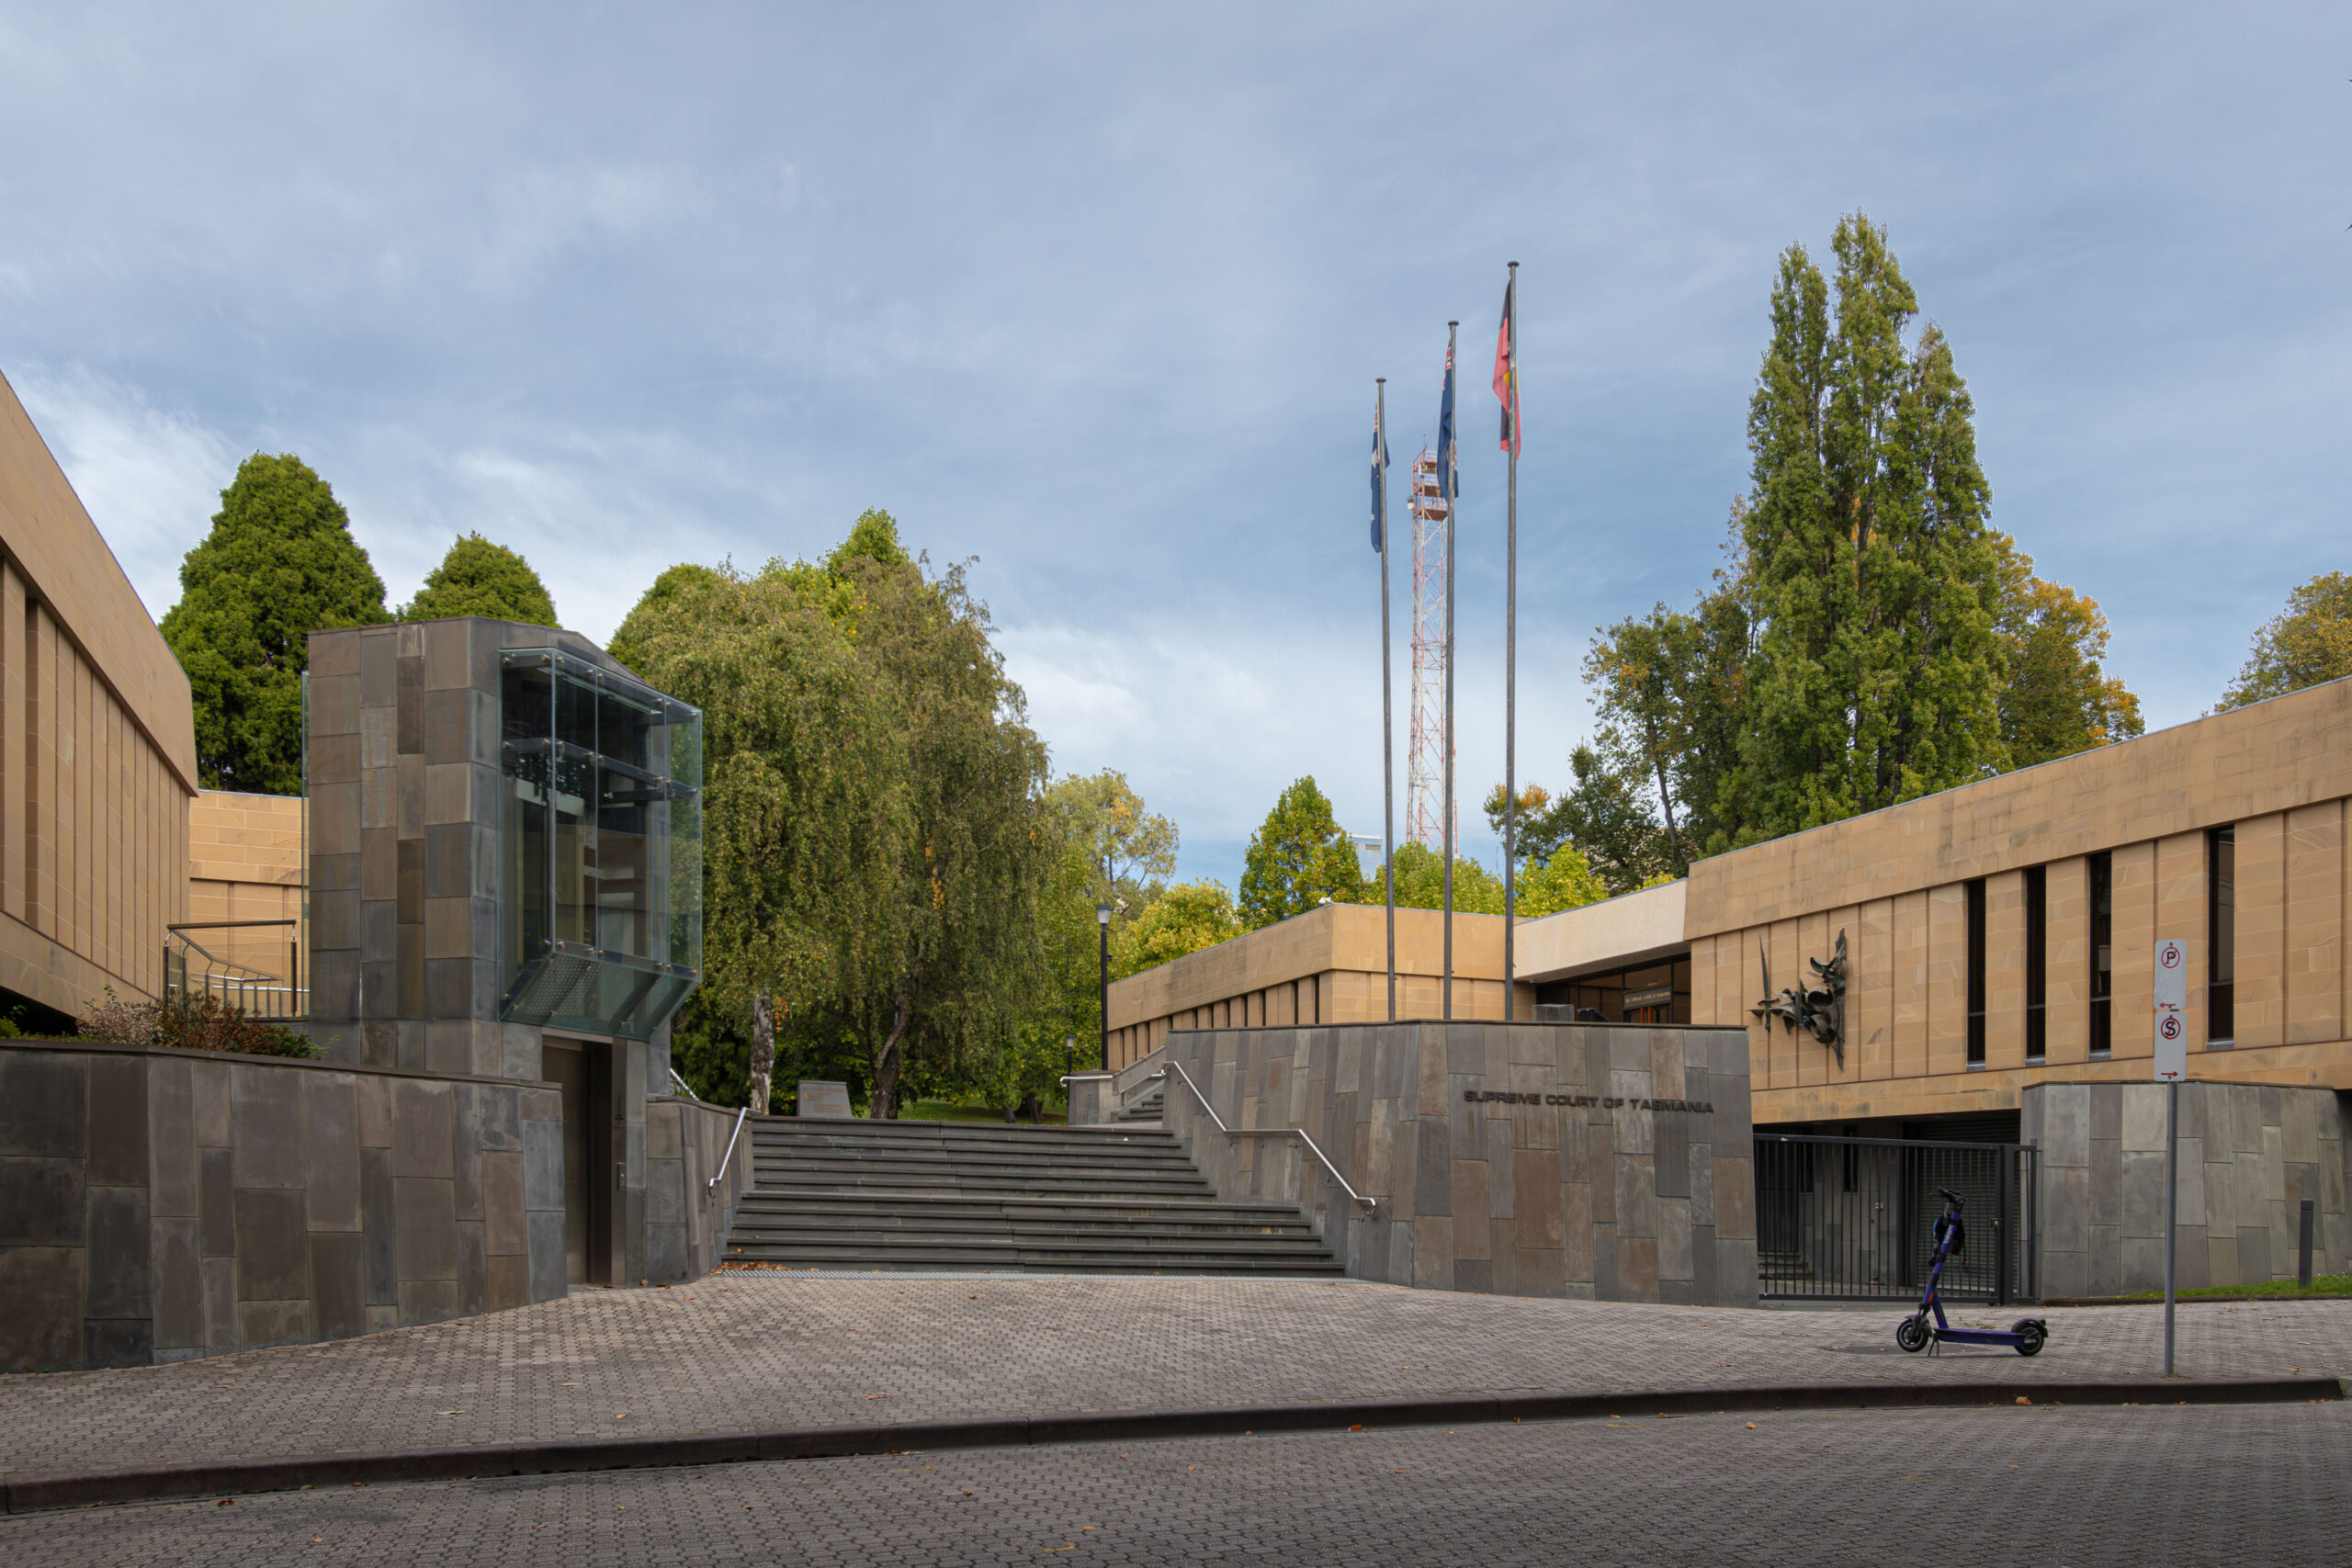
2172,1065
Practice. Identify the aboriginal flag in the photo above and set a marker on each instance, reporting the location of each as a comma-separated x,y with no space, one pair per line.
1507,367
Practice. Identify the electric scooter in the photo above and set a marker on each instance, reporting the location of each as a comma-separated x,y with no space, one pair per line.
2026,1335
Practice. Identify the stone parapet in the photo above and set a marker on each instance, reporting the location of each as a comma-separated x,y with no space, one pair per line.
1611,1162
687,1214
2249,1155
159,1204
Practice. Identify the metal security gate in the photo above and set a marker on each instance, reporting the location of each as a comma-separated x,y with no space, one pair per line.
1853,1219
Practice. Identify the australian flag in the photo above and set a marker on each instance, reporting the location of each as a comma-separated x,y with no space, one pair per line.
1379,470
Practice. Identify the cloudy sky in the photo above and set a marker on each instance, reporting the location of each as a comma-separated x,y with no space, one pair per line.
1096,295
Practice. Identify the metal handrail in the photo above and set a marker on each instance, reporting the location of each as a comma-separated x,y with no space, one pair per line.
1298,1132
728,1158
242,986
1124,1079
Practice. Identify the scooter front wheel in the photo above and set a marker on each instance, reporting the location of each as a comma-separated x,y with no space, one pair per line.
1912,1335
2030,1337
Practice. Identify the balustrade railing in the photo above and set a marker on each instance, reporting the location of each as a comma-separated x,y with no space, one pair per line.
254,967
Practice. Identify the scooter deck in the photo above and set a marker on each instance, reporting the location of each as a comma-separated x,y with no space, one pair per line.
1978,1337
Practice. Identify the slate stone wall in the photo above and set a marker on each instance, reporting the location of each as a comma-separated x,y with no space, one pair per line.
1093,1099
2249,1155
404,759
157,1205
1630,1197
687,1215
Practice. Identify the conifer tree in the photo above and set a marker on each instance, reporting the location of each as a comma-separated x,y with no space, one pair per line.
478,578
279,564
1298,859
1872,574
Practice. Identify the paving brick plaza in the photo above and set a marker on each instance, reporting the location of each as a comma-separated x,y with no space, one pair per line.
737,1352
2055,1488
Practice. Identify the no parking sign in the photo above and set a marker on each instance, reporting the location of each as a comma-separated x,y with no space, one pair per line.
2172,1002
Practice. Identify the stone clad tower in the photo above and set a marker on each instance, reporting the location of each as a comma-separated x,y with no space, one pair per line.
505,881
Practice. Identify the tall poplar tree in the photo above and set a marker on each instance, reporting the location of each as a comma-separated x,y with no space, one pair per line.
279,564
1872,574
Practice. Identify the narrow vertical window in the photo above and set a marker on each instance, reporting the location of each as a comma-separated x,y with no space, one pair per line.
31,793
1976,973
2220,934
2102,899
2036,963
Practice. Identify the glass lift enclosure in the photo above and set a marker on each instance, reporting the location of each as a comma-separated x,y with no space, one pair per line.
600,847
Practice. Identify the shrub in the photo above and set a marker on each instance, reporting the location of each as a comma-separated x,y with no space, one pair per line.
190,1023
116,1022
208,1024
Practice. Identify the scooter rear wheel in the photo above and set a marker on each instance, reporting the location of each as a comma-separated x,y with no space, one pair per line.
1912,1335
2030,1338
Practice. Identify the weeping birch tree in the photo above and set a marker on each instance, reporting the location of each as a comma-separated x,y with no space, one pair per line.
874,835
797,801
938,961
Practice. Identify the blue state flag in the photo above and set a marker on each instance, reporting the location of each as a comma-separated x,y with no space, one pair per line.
1379,471
1449,461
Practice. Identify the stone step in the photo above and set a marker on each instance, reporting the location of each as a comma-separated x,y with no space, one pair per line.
934,1258
978,1165
799,1214
888,1159
919,1132
943,1194
1061,1207
870,1237
970,1159
1167,1155
900,1194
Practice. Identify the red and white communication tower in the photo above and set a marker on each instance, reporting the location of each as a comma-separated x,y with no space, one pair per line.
1425,767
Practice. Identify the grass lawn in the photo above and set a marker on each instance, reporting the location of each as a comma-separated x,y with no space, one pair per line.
942,1110
2272,1289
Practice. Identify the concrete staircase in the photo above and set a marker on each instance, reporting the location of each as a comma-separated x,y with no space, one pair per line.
1145,1108
965,1195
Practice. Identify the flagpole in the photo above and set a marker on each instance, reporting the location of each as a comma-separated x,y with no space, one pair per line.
1452,503
1511,668
1387,736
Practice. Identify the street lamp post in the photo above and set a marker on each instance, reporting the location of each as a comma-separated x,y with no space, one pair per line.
1102,919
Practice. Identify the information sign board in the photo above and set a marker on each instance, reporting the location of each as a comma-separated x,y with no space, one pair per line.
829,1102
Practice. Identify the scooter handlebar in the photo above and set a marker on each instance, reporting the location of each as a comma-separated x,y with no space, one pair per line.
1948,1196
